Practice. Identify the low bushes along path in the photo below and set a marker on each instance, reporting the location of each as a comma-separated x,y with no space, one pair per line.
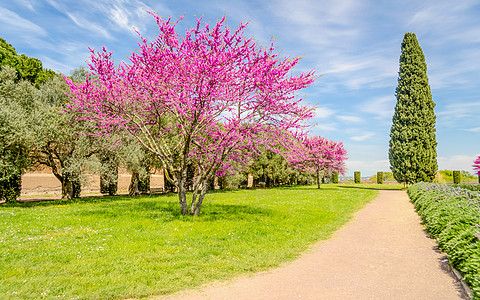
384,253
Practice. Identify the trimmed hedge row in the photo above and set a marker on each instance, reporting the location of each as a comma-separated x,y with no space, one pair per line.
452,215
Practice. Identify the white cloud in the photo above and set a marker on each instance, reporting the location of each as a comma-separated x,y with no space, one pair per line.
323,112
13,22
363,137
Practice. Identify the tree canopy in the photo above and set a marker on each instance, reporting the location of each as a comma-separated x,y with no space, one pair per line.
412,153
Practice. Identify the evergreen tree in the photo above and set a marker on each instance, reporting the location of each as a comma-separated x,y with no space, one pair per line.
412,154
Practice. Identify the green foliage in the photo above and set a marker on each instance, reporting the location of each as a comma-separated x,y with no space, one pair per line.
233,182
452,215
109,172
10,187
27,68
138,161
56,141
412,153
274,170
131,248
356,177
15,108
456,177
379,177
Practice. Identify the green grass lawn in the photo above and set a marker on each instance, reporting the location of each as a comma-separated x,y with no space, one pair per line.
120,247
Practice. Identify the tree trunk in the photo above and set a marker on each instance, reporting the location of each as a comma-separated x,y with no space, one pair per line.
318,178
182,196
194,199
76,188
133,187
67,187
198,206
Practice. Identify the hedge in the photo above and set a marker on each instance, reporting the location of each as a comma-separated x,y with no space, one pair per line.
452,215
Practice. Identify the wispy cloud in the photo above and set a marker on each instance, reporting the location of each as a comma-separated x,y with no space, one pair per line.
92,27
126,15
28,4
475,129
460,110
13,22
363,137
322,128
382,107
350,119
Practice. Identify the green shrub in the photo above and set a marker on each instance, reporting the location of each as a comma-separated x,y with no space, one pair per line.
335,177
456,177
356,177
10,188
380,177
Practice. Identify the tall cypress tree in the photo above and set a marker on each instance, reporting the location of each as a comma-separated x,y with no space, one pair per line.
412,154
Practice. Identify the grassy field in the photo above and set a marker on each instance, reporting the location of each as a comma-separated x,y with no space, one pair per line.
120,247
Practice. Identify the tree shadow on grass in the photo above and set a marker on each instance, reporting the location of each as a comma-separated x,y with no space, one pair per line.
164,207
168,211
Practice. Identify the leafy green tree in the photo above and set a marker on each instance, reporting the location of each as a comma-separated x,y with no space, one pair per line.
56,140
272,169
27,68
109,172
412,153
138,161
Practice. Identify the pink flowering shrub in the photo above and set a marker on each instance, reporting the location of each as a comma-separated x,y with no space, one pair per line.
476,165
318,155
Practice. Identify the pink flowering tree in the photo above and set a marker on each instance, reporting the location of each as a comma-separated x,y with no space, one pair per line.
318,155
209,99
476,167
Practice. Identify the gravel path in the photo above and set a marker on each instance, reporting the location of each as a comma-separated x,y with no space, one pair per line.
384,253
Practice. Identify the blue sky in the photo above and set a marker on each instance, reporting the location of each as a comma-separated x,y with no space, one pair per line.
353,44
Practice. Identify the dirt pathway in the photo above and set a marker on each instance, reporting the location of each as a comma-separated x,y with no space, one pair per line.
384,253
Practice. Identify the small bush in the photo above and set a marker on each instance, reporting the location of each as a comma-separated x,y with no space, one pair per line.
335,177
456,177
380,177
357,176
10,188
